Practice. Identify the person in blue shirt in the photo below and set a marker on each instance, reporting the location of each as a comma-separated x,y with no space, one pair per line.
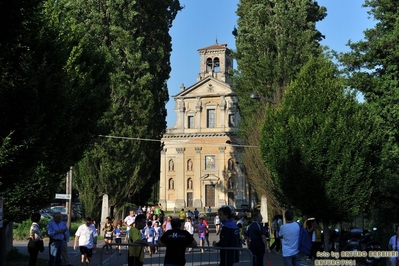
118,237
196,214
229,237
57,230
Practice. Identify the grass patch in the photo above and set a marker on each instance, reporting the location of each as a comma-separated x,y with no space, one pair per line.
21,230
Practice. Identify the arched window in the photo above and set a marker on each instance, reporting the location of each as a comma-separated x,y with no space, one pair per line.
216,65
189,183
171,183
189,165
209,65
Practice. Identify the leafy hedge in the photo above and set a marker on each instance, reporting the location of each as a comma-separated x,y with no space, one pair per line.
21,230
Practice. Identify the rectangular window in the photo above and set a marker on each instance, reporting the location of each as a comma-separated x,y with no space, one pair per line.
190,123
232,120
211,118
210,162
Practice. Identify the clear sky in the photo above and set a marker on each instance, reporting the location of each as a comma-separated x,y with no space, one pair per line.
202,22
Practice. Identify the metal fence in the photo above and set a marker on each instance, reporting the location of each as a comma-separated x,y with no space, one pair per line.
198,256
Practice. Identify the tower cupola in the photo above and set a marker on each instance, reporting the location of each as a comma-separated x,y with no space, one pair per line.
216,62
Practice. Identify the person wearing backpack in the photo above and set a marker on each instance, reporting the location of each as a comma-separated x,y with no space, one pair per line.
289,234
257,239
229,238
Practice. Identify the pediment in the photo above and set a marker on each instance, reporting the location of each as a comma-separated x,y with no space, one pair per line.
210,177
208,87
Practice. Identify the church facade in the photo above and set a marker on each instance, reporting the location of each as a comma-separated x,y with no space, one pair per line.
200,160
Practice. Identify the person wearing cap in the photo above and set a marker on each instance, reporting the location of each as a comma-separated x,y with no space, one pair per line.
229,237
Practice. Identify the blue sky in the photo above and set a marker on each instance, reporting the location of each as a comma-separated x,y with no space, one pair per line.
201,22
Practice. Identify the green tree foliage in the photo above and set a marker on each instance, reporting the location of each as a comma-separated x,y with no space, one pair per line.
322,146
53,84
274,40
372,67
136,36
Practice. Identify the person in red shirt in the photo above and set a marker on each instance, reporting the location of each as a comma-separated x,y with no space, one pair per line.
206,232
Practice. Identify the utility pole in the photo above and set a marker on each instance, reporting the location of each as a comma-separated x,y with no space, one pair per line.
68,190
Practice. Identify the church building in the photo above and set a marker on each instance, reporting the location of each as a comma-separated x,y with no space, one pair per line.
201,158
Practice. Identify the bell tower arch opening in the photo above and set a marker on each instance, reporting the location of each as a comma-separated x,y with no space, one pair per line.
209,65
216,62
216,65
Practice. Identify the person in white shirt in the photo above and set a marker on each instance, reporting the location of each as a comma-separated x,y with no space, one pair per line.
289,234
86,235
242,220
188,226
129,221
216,221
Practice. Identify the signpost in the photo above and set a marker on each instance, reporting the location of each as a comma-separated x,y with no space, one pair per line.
68,190
63,196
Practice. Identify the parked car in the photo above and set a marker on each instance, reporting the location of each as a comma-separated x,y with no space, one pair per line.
47,213
77,213
63,211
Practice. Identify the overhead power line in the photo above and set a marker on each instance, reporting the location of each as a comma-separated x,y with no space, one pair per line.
171,142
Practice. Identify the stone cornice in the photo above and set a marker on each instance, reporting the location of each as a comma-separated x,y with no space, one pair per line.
213,51
198,135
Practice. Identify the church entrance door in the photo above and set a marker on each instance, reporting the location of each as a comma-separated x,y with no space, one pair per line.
189,199
209,195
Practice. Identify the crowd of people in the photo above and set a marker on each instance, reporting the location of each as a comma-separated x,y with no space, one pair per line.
149,228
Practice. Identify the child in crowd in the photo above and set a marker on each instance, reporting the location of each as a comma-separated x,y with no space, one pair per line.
118,238
149,234
158,233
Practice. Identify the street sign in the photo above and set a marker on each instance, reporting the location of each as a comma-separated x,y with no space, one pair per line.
63,196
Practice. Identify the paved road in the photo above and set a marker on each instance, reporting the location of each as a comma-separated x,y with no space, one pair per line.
209,257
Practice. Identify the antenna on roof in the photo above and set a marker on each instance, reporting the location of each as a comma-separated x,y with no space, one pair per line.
216,39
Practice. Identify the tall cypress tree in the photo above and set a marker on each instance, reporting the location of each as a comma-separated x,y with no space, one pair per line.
323,146
372,68
136,35
274,40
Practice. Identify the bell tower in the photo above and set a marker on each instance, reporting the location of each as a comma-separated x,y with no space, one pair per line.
216,62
